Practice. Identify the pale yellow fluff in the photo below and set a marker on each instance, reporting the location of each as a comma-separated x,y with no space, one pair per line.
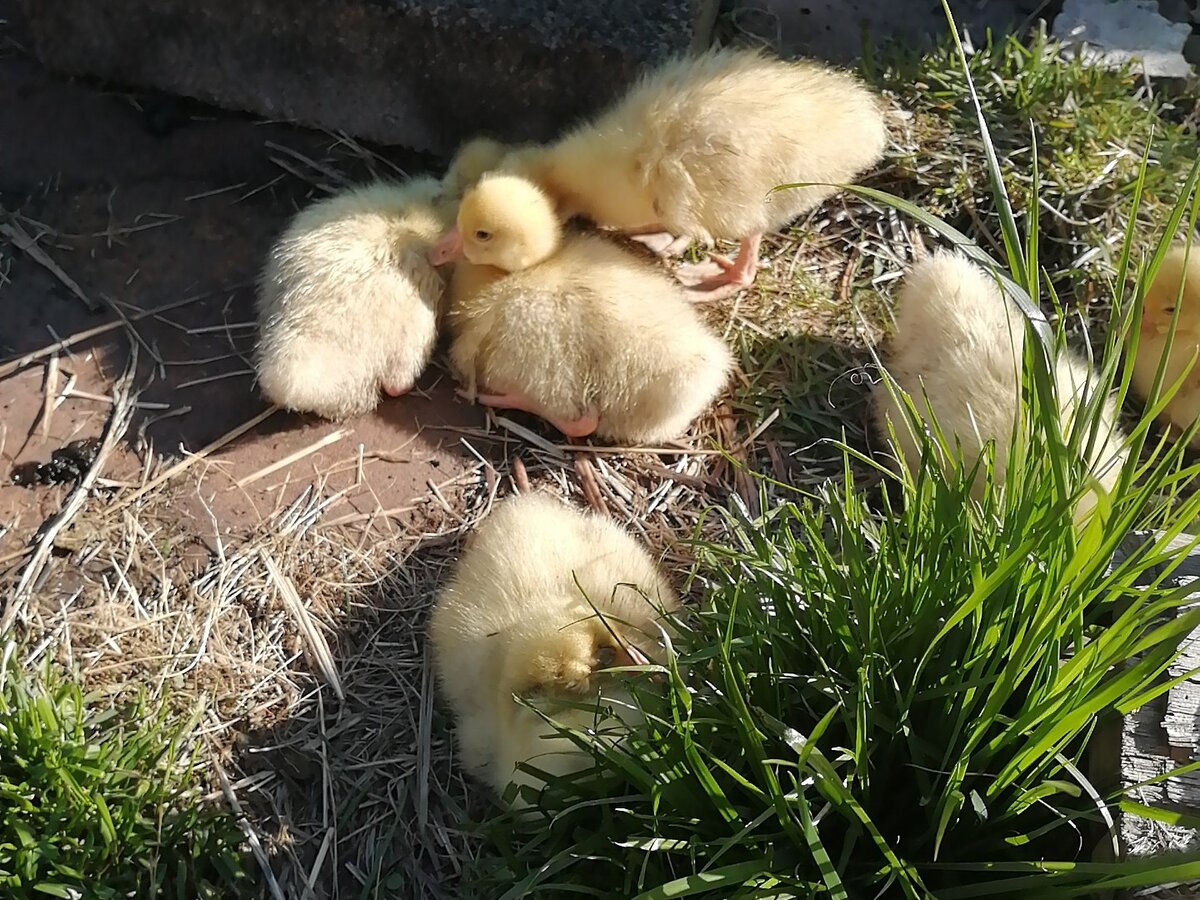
470,162
696,146
477,157
515,618
348,302
958,351
1180,269
575,322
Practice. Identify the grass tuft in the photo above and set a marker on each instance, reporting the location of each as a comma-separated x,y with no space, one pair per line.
1094,126
97,802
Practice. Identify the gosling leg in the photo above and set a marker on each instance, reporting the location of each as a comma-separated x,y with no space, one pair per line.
396,387
580,427
662,243
733,275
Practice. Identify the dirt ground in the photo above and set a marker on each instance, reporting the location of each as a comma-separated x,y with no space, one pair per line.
161,212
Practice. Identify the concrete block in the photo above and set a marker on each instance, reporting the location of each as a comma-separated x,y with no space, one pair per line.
835,30
423,74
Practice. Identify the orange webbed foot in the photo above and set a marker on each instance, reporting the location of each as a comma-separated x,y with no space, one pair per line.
722,277
663,243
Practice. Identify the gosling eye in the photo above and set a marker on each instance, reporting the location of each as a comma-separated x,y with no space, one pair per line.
482,235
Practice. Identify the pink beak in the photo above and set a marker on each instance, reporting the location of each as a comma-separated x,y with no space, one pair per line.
630,655
448,248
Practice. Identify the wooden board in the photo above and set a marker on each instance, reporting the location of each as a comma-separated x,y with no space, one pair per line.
1164,735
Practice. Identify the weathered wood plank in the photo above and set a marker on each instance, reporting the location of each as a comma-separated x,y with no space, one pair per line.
1163,735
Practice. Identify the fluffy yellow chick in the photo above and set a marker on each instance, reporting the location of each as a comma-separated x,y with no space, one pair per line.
481,155
696,147
958,352
1177,283
571,327
348,302
519,616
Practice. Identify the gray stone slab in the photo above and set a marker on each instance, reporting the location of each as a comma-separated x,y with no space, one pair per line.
835,30
1132,31
423,74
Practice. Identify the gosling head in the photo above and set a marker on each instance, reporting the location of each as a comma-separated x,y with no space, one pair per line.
504,221
563,662
1163,296
473,159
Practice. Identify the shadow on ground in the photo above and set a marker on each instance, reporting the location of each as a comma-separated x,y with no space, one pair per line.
362,808
152,217
807,391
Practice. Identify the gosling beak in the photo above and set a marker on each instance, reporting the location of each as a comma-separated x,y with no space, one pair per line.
630,655
638,658
448,248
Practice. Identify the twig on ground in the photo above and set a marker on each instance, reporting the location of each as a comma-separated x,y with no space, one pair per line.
526,435
135,335
332,438
22,241
317,644
251,835
336,177
21,362
49,390
237,373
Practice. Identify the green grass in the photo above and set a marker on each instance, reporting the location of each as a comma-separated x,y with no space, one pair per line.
816,385
1093,127
99,802
895,694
